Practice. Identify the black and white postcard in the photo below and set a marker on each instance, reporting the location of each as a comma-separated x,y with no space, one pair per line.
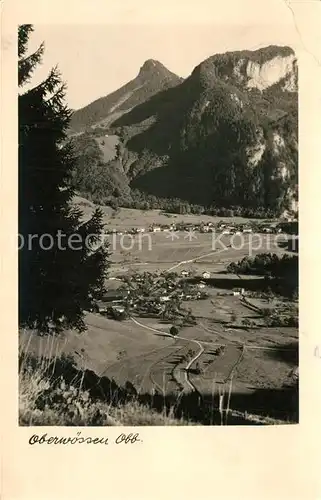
155,170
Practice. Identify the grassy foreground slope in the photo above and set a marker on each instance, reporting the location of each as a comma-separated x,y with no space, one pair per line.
54,392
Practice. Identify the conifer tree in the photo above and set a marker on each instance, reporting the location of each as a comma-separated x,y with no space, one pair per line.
61,265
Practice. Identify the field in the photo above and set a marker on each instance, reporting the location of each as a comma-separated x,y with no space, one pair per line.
158,252
254,364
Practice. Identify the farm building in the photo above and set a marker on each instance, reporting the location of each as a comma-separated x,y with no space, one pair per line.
293,244
164,298
206,275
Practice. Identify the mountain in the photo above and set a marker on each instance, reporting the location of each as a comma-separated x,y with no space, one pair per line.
225,136
152,78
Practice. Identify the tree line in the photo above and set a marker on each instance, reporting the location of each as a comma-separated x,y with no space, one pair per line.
284,269
102,183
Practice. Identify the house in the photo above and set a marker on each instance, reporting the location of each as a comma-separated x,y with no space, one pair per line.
201,284
117,312
118,308
100,307
247,230
185,273
226,231
206,275
115,295
293,244
156,229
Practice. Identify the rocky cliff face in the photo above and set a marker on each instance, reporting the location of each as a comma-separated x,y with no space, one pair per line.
258,69
263,76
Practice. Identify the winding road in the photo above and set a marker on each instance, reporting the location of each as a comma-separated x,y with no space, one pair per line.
190,363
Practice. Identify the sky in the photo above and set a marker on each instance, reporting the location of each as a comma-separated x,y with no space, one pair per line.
97,59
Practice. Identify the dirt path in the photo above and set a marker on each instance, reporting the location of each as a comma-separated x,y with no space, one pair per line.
188,366
214,252
219,334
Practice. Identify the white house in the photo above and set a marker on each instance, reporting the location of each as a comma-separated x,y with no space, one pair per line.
201,284
156,229
206,275
185,273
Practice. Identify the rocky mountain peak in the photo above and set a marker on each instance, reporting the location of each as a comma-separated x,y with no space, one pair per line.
151,65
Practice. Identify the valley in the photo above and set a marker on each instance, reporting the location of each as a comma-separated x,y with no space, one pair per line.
229,352
180,303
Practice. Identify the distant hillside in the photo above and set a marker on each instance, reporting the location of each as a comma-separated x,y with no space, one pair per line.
225,136
152,78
